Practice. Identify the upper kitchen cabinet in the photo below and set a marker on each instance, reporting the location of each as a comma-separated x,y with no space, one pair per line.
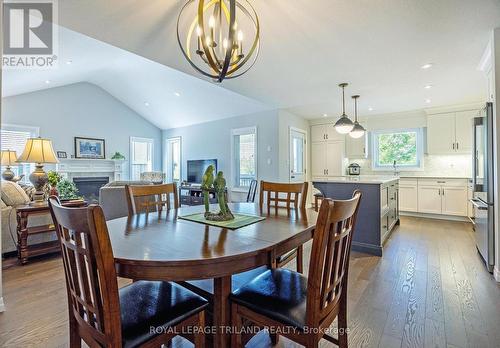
325,132
450,133
356,148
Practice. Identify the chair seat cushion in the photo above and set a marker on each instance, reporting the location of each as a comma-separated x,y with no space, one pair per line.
146,304
279,294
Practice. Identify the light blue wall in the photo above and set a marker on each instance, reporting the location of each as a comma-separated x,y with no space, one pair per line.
213,140
81,109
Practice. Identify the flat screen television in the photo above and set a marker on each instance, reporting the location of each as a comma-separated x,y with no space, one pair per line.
196,169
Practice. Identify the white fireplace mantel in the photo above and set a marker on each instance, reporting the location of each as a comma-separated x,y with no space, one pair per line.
73,168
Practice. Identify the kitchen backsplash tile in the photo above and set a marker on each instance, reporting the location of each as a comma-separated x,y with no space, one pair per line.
434,165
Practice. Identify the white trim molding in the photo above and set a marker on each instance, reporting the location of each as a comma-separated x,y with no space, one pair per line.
2,305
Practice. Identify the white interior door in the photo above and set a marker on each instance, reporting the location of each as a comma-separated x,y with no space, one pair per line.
297,161
173,160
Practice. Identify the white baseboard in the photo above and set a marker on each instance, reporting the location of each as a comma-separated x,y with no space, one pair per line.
2,305
435,216
496,273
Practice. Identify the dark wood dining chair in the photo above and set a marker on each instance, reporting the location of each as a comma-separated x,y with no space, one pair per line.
285,196
281,299
252,190
141,198
103,315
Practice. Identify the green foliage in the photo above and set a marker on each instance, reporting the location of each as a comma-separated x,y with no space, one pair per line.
118,156
67,189
399,147
54,178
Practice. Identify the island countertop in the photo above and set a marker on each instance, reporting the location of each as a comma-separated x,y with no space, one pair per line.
360,179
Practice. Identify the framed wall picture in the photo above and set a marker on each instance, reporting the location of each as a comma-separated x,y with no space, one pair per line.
90,148
62,154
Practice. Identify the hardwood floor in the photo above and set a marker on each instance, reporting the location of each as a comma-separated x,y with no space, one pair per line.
428,290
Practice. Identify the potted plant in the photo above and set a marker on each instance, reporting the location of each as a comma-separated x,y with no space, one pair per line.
67,189
54,179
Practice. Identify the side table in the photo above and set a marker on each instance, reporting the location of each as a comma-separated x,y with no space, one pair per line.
24,251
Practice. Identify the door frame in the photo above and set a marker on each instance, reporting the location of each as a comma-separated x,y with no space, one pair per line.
306,148
166,160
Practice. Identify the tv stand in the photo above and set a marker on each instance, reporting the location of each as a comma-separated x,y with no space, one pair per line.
193,195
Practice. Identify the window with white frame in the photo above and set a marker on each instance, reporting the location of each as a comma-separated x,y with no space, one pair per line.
14,137
244,149
173,159
402,148
141,156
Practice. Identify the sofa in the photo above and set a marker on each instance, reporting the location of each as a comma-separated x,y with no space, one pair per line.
12,196
113,198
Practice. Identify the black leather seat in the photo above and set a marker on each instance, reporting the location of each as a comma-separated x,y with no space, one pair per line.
146,304
279,294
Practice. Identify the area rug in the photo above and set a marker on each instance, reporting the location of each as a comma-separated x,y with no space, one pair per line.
240,220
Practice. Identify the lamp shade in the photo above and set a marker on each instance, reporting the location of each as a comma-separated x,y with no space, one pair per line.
9,158
38,150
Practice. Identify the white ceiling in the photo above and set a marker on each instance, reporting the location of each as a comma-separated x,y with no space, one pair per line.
134,80
307,48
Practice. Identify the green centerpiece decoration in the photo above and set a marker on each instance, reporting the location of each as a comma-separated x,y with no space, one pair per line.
219,186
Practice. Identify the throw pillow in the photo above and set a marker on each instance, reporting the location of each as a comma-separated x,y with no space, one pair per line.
13,195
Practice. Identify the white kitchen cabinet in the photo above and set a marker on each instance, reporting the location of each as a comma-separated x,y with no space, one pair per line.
325,132
429,199
441,134
454,201
408,195
334,158
318,133
463,130
318,159
355,148
450,133
327,159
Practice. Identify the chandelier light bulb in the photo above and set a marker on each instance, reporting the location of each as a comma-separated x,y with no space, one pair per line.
224,43
211,22
198,30
240,36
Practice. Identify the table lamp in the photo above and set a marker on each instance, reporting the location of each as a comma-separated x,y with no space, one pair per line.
38,151
9,158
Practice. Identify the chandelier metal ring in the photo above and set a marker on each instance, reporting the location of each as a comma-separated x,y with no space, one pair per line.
232,63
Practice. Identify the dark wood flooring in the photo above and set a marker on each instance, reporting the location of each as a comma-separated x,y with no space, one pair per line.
430,289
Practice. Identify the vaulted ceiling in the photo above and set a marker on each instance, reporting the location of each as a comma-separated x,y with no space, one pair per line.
309,46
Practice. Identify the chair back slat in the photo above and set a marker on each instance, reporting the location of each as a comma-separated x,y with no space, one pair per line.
89,271
286,193
146,198
252,191
329,264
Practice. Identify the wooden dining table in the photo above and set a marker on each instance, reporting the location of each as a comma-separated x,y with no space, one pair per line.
161,246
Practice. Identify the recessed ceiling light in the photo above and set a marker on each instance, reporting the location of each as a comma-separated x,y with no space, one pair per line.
426,66
47,81
370,109
325,115
428,86
177,94
428,101
146,103
69,62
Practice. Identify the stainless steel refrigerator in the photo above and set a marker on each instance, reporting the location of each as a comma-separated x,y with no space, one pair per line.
482,200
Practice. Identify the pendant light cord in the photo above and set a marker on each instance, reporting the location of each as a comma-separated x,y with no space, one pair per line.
343,101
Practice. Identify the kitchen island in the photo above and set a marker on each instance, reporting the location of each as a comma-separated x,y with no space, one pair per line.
378,212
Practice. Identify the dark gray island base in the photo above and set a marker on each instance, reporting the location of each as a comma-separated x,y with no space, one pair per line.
378,212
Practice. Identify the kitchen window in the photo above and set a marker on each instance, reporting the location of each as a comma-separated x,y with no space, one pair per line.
402,148
14,137
244,149
141,156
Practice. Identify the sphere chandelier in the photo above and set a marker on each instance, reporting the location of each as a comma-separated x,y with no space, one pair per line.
211,34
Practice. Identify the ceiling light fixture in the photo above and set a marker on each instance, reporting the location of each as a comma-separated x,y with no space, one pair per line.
146,104
344,124
358,130
370,109
69,62
426,66
428,86
325,115
428,101
177,94
216,50
47,82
